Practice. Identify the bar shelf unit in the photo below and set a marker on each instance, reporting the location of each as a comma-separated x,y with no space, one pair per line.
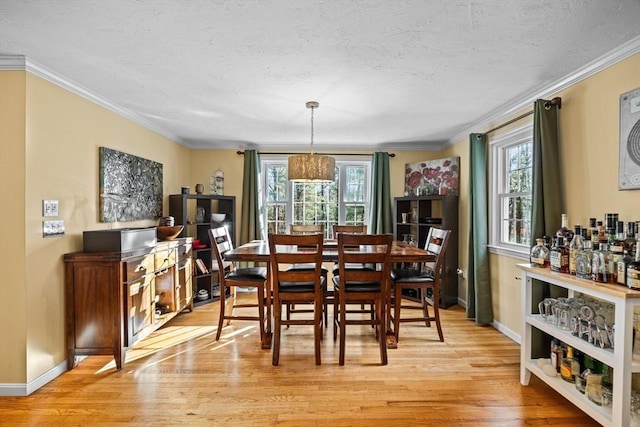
620,358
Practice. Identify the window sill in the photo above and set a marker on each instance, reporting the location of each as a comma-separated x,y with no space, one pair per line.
512,253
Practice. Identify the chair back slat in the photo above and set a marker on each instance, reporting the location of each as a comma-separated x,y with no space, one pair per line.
354,229
306,228
436,244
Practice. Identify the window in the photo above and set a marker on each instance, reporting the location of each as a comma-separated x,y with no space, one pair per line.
344,201
511,166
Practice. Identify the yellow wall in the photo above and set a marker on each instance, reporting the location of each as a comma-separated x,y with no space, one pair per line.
13,300
55,157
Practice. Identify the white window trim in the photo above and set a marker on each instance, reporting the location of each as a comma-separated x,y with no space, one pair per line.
357,160
497,147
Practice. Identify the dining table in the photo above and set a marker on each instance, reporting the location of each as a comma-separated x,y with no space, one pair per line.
257,251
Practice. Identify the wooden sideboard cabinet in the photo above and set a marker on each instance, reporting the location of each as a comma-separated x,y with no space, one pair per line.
114,299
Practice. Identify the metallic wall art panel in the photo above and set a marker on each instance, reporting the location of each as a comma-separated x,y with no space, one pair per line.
629,166
130,187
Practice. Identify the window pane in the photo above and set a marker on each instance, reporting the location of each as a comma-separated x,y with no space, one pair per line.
354,186
276,185
512,156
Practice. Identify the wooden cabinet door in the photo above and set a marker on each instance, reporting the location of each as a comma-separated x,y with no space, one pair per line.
140,305
96,306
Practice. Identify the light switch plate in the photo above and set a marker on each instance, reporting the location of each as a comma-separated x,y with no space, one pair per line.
53,228
49,208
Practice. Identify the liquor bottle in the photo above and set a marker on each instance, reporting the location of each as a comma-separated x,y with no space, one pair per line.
602,236
591,228
633,268
540,254
630,239
564,230
576,245
583,261
599,265
559,255
556,354
616,253
623,265
570,366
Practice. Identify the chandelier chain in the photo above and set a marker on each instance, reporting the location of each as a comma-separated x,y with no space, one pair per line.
312,108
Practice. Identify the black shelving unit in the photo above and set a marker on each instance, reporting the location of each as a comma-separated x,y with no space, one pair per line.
184,208
424,212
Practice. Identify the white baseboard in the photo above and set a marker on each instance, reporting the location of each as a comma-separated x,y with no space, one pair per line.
25,389
506,331
497,325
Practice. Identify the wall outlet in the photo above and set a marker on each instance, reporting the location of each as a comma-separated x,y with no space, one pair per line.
49,208
53,228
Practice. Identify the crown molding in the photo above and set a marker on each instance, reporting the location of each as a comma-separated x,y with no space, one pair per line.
22,63
621,53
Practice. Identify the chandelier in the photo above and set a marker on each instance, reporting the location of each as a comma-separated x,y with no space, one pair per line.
314,168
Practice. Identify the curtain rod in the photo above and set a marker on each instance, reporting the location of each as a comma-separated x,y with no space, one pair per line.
557,101
241,153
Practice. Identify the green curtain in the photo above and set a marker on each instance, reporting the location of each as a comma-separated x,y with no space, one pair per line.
548,203
250,223
479,305
547,193
380,213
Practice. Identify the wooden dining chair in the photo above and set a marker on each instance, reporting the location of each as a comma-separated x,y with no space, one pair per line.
231,277
353,229
296,286
426,276
362,286
297,229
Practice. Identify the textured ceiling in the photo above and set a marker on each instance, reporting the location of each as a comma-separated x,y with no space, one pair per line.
404,74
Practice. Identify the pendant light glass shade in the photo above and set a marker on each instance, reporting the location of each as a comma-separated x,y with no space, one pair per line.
314,168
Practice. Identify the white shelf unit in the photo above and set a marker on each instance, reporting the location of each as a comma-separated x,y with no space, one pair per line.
620,358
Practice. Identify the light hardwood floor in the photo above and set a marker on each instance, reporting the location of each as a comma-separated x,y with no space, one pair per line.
181,376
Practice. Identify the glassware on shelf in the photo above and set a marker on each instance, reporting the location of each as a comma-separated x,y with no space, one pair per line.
199,214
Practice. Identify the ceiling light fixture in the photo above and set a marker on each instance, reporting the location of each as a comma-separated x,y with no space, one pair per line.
314,168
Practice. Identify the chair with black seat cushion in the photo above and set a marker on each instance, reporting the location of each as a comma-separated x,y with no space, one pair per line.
362,286
425,276
296,286
353,229
324,271
231,277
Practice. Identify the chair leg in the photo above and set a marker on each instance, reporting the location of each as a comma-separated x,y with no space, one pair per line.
396,311
317,329
343,330
223,303
260,292
277,313
382,333
336,311
436,314
425,309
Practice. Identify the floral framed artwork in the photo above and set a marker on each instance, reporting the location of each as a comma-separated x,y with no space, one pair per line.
432,177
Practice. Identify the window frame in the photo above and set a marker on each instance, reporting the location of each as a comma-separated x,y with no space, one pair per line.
498,147
341,165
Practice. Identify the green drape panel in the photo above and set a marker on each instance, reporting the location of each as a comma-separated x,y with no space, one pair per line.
479,305
380,213
250,223
548,203
547,192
